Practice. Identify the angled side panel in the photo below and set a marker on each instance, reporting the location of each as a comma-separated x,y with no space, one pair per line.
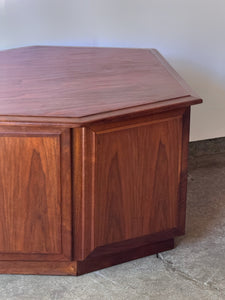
137,179
183,171
128,178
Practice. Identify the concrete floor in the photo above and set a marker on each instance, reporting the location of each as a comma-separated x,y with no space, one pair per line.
195,269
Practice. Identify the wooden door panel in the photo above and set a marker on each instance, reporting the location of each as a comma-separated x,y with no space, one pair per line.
129,179
137,181
33,221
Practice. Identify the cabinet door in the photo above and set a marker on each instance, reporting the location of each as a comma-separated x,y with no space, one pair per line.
35,197
134,178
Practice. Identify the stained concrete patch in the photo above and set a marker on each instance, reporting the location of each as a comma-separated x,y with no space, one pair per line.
206,147
146,278
200,254
152,279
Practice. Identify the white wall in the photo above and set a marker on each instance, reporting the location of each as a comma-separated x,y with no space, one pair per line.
189,33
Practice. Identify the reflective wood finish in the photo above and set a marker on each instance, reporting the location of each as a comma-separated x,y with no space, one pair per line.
67,82
134,174
35,185
93,157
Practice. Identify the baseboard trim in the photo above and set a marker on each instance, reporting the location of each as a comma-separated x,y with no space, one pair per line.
206,147
99,262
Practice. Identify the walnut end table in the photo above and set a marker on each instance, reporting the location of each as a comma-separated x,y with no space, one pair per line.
93,157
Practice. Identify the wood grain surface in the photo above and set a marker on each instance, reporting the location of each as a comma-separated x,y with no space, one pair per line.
35,199
38,267
133,177
93,157
70,82
137,176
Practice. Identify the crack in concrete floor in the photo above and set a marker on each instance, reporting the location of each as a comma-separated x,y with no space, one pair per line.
169,266
200,254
